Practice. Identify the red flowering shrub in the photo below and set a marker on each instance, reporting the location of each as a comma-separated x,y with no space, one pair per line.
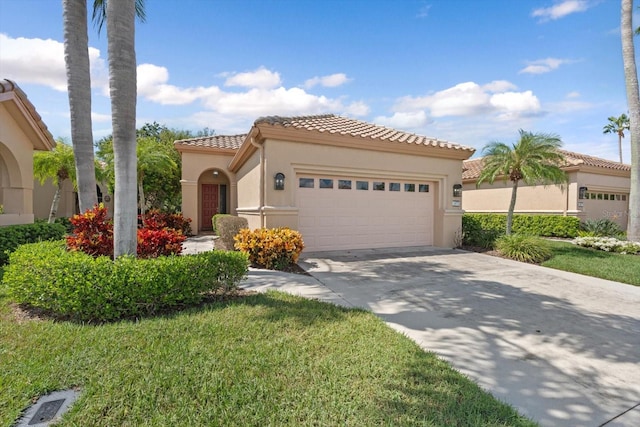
157,220
93,235
155,243
92,232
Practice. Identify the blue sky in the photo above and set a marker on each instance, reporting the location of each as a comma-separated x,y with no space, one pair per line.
466,71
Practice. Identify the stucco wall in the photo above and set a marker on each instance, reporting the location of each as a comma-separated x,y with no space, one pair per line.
293,158
248,177
553,199
197,168
16,151
616,210
496,197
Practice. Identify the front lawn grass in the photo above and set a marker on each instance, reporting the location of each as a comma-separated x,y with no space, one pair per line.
595,263
267,359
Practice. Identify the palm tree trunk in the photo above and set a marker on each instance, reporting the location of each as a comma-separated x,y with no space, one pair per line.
55,203
76,55
122,85
620,147
142,200
512,207
633,101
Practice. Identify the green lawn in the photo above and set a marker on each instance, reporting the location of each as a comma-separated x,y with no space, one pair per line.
592,262
269,359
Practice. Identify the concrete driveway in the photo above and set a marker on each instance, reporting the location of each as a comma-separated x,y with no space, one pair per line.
562,348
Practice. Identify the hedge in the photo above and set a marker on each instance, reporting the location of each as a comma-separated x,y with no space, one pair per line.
483,229
81,287
13,236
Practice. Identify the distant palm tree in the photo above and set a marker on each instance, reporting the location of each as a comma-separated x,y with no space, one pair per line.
59,166
617,125
122,87
534,159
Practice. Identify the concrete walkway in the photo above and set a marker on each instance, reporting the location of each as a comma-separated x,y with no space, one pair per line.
562,348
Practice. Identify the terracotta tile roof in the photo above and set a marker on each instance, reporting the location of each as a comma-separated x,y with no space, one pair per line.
7,86
232,142
583,159
471,168
331,123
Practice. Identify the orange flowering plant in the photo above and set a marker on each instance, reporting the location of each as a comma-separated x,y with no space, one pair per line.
272,248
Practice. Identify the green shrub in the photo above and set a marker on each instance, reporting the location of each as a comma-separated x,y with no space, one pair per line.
214,222
537,225
525,248
228,226
473,233
13,236
272,248
81,287
603,227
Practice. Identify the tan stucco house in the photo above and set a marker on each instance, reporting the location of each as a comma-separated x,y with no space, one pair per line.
21,132
596,188
343,183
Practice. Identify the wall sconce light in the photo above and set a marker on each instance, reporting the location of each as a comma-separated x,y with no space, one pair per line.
457,190
582,191
215,173
278,181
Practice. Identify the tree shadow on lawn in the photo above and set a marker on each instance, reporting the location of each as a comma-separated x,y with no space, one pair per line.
523,335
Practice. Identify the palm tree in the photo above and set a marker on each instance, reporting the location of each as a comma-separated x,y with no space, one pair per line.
633,103
534,159
151,158
122,87
57,165
76,55
617,125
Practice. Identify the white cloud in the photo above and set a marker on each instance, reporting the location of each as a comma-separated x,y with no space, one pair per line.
408,120
541,66
560,10
331,80
573,94
515,104
423,12
39,61
498,99
260,78
258,100
97,117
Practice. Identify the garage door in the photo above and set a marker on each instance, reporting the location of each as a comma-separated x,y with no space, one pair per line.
358,213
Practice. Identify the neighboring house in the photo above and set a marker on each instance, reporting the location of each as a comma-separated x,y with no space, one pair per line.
343,183
597,188
21,132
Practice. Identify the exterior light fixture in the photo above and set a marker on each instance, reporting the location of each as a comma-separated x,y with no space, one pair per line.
457,190
215,173
278,181
582,191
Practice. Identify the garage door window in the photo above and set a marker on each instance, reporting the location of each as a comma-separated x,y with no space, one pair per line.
423,188
410,188
326,183
344,184
306,183
394,186
362,185
378,186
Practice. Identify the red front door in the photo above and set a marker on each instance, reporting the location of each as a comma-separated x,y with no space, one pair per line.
209,204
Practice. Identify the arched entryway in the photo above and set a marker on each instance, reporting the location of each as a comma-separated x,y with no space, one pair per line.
213,197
